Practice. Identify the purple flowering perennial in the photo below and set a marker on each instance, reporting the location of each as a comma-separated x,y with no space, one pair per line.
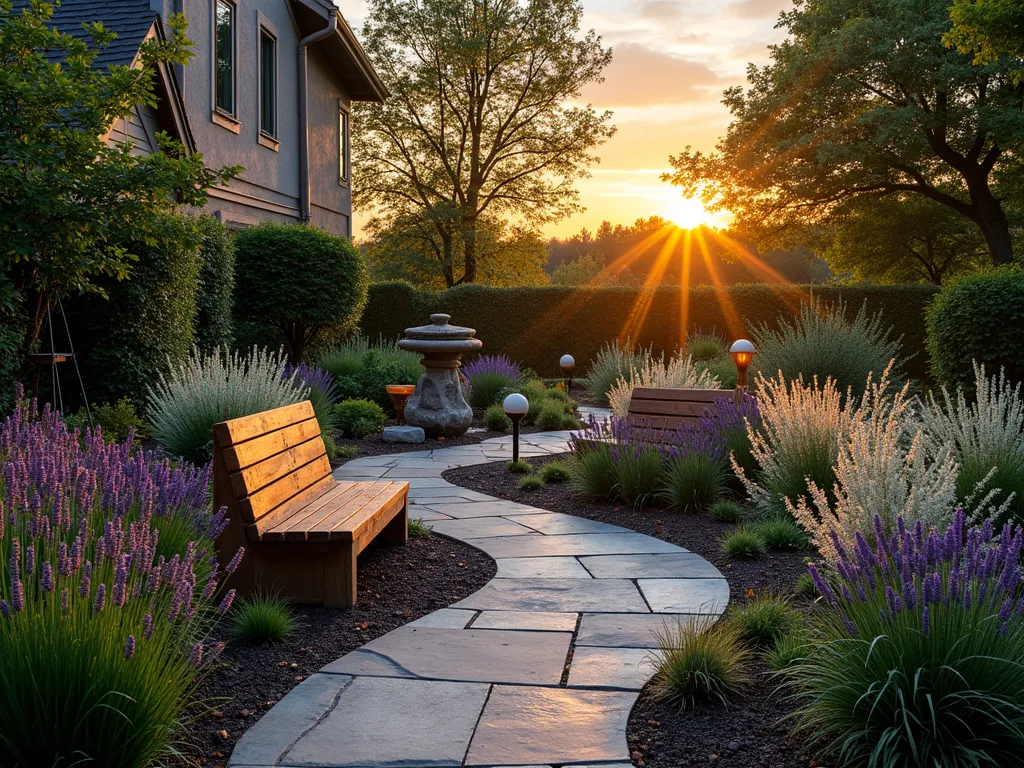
494,364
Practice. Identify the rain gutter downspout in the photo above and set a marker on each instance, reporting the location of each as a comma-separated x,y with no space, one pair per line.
304,43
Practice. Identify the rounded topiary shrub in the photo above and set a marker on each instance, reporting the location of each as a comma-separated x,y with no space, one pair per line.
301,280
980,317
215,298
360,418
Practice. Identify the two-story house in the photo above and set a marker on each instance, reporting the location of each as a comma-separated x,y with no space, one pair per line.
269,88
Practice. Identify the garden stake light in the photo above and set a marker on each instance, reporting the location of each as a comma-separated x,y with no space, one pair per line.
567,363
516,406
742,352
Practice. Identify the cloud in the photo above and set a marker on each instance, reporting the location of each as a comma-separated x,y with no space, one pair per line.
759,9
661,10
639,76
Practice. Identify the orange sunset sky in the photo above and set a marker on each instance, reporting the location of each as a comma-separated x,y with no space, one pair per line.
672,60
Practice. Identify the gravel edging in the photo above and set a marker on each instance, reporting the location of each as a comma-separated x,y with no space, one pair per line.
396,585
749,733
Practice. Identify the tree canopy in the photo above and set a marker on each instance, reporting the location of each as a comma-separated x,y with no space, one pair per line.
863,99
70,202
479,122
992,30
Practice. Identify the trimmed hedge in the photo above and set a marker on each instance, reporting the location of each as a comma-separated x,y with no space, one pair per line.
535,326
980,317
147,323
216,285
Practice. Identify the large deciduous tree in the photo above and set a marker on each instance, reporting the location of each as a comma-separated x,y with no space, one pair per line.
481,120
991,30
70,202
864,98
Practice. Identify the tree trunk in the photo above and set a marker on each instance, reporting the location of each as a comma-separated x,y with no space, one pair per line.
469,247
991,219
446,264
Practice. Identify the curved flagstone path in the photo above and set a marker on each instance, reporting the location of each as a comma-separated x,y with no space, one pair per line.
539,668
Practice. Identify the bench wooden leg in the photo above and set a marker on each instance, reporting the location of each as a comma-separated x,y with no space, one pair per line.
340,578
397,531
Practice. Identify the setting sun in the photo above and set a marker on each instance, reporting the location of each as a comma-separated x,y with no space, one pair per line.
686,212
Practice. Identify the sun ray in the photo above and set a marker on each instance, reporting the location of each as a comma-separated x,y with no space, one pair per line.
642,306
732,315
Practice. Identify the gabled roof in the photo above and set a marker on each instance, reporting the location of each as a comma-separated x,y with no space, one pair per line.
130,19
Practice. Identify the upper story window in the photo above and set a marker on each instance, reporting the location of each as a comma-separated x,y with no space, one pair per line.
268,84
343,168
224,57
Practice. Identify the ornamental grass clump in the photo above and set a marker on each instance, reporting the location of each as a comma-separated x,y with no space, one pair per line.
699,661
677,372
918,657
103,629
185,403
986,437
488,375
614,361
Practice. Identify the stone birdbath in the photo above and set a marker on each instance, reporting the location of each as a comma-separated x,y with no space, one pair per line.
399,395
437,404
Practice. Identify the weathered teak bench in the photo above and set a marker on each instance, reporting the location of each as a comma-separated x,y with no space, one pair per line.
660,410
301,529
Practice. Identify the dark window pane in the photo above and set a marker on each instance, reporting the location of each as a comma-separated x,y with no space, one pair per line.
343,146
268,84
225,57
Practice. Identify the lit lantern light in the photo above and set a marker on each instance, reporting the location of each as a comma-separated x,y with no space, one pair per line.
742,352
567,363
516,407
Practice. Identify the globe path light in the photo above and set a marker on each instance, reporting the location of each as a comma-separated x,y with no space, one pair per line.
567,363
515,406
742,352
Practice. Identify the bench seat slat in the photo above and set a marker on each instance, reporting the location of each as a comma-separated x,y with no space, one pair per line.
257,425
251,479
295,526
667,408
685,395
359,526
290,507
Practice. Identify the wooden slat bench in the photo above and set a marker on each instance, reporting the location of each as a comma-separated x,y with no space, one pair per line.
659,410
301,529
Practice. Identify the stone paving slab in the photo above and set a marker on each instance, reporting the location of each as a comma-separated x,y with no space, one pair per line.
544,726
430,723
572,544
686,595
446,618
627,668
558,523
267,741
425,514
673,565
540,621
482,527
489,508
623,630
568,596
474,655
541,568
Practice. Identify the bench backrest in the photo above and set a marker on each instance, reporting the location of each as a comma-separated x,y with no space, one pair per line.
276,462
665,409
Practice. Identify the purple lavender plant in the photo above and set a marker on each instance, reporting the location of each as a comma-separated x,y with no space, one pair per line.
496,364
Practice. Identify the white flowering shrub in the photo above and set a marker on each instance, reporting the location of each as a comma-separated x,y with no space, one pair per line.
986,437
678,372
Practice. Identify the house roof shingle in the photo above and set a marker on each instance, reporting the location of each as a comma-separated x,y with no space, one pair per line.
131,20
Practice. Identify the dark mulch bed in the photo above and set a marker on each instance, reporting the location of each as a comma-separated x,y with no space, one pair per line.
396,585
746,735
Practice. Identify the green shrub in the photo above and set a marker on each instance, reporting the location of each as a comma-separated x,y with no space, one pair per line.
744,543
693,482
263,618
496,420
347,451
114,420
557,471
592,472
978,318
185,403
419,530
706,346
531,482
822,342
299,279
145,326
215,298
724,511
12,336
485,388
699,661
551,417
789,649
780,533
364,370
804,586
762,620
360,418
637,474
612,362
520,467
723,369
